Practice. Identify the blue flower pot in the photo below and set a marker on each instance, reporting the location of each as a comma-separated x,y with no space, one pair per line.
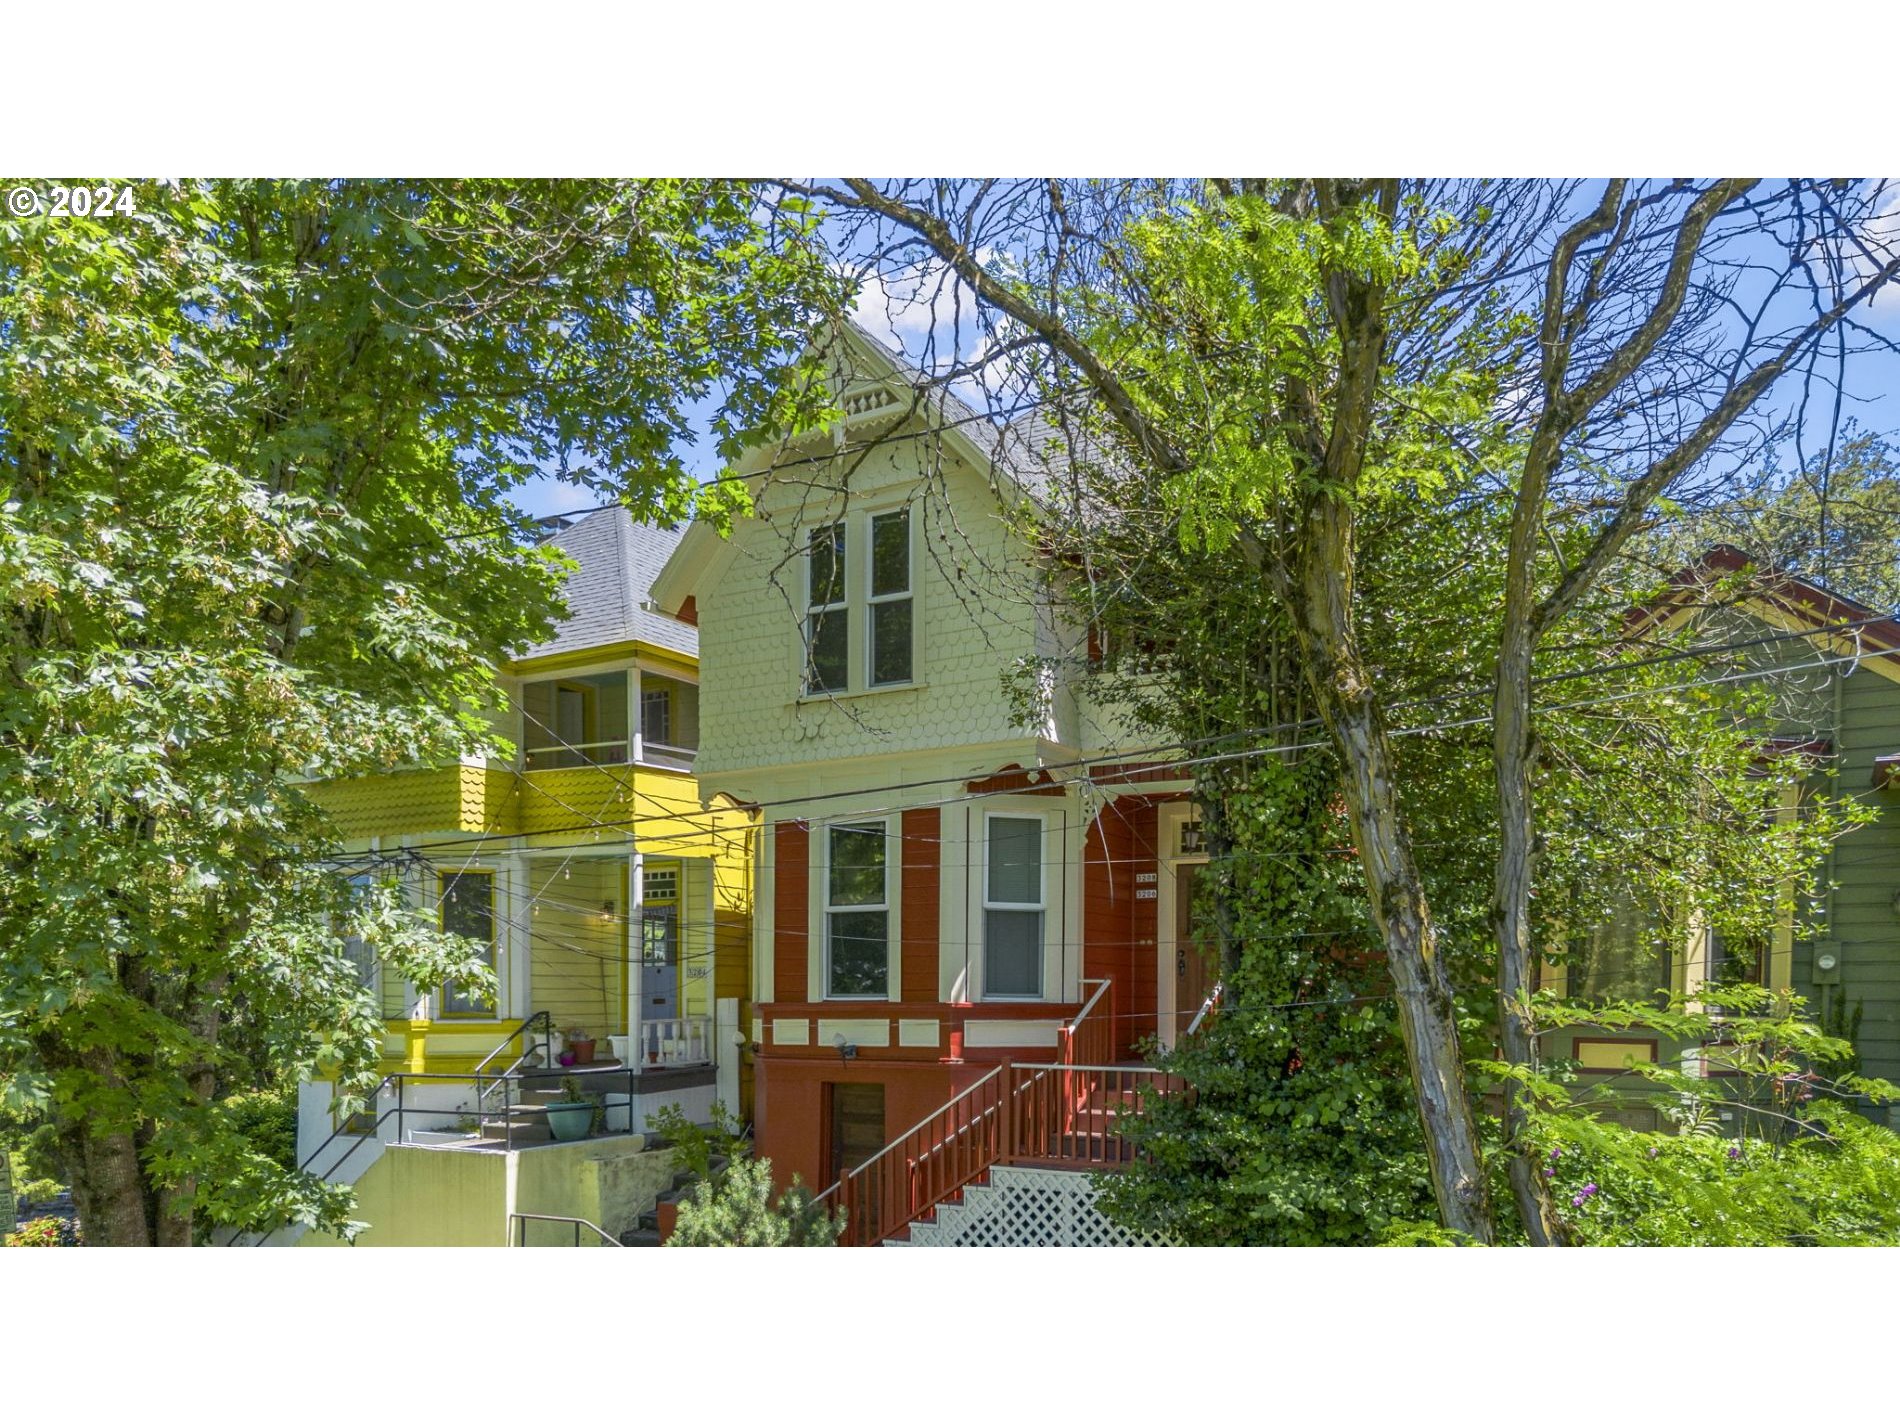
570,1121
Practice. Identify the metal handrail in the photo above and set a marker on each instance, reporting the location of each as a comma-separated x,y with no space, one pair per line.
542,1017
518,1228
1207,1008
1088,1007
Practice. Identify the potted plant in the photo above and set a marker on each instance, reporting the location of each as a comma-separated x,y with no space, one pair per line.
581,1045
571,1116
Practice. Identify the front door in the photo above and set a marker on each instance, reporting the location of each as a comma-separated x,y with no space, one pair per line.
1194,957
659,975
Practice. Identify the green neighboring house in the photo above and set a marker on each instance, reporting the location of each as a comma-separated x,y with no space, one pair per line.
1837,690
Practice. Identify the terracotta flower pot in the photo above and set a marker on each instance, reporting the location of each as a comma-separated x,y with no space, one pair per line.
583,1050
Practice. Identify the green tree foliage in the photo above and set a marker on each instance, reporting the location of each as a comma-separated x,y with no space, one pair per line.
1300,1130
1423,421
1771,1155
256,443
1836,523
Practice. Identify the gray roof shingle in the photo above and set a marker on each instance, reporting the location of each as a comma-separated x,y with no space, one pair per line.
619,561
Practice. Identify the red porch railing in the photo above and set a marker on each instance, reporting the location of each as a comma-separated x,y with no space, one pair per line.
1059,1114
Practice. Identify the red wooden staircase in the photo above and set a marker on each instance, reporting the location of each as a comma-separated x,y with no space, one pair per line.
1050,1115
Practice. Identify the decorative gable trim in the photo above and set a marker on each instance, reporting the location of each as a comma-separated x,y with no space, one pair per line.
1782,601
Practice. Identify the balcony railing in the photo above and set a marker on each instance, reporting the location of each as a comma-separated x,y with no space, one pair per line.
576,754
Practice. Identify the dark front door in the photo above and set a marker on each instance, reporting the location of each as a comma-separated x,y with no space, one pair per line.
1193,951
857,1125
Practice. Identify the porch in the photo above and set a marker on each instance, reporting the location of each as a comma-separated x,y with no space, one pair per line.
613,956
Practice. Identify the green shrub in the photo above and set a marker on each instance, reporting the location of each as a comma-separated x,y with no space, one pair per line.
738,1211
732,1205
1771,1154
268,1119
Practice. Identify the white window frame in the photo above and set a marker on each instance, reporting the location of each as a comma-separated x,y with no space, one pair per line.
1040,906
808,666
872,600
827,909
663,699
858,603
370,962
491,875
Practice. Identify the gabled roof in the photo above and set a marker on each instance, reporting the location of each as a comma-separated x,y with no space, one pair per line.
1025,458
1729,577
606,597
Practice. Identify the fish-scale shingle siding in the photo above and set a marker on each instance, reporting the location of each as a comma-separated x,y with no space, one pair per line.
975,586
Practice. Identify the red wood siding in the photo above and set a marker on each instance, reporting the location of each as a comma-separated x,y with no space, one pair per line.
791,907
922,889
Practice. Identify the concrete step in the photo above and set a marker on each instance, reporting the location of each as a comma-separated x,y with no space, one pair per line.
525,1130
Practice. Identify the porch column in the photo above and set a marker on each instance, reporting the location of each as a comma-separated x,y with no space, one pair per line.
636,945
516,935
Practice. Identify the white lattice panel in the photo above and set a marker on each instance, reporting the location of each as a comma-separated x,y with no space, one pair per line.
1027,1207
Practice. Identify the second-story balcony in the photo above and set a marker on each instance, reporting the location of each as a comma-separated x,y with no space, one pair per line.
609,720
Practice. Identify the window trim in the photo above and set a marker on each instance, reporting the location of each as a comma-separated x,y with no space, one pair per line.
857,605
874,600
1633,1048
360,883
1041,906
809,669
663,699
826,909
442,1010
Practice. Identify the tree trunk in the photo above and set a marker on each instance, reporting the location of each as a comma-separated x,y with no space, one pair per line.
1511,754
108,1188
1428,1020
1511,880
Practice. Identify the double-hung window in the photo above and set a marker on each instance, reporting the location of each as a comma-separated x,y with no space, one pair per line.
468,908
890,653
859,629
359,951
656,716
857,912
828,615
1013,907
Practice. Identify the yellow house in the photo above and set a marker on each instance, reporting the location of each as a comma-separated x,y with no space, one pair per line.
616,907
